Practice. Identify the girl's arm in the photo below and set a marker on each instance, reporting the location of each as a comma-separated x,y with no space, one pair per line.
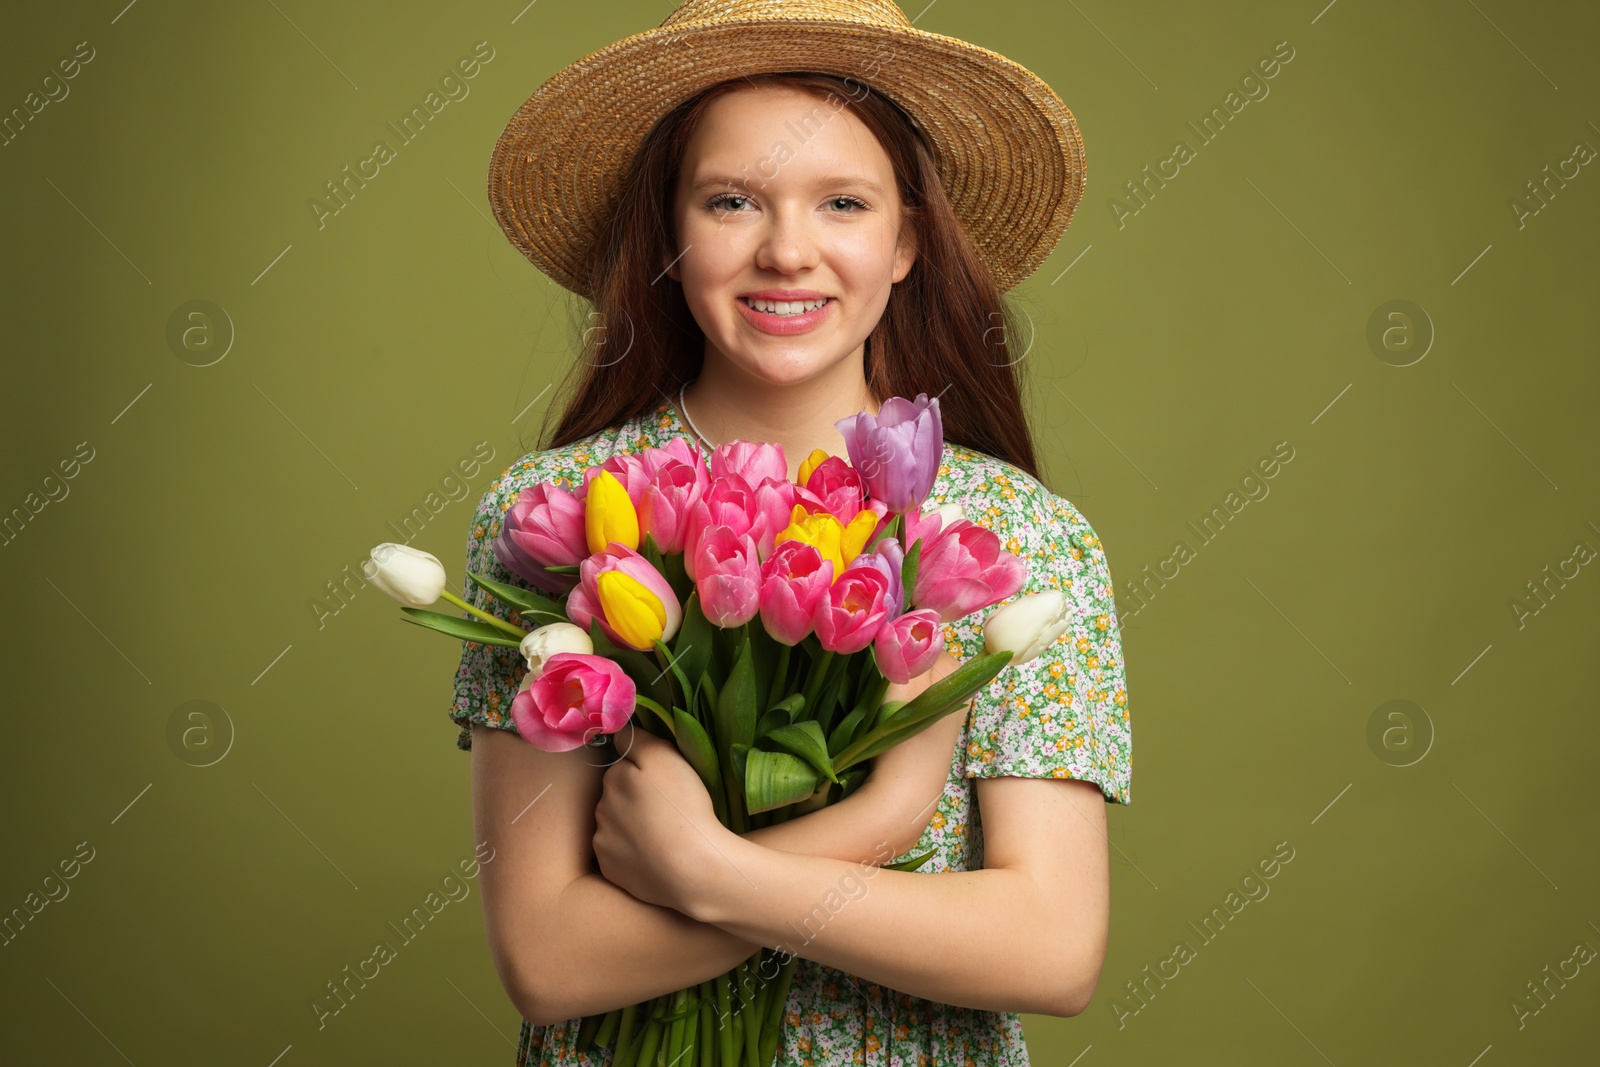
566,942
1027,933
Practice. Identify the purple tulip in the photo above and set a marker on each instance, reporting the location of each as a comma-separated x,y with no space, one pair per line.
887,556
898,450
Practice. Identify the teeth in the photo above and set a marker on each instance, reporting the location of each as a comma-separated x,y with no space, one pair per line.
785,307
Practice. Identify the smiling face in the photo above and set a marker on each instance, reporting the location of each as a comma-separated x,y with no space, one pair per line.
788,201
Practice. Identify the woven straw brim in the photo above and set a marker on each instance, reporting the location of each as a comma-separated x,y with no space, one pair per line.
1007,149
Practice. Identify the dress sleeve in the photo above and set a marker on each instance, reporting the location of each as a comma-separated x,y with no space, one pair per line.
489,675
1063,714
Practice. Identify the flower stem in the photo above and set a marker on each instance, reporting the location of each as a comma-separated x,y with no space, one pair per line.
494,620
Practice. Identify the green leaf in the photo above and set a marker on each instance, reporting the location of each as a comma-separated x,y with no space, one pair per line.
562,568
938,700
697,748
912,863
770,721
647,676
664,655
908,569
853,779
790,705
736,703
656,709
692,643
844,733
773,779
804,739
464,629
524,600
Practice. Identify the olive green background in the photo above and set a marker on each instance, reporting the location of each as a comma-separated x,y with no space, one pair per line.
1441,859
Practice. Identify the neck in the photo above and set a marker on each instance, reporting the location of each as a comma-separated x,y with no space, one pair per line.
728,405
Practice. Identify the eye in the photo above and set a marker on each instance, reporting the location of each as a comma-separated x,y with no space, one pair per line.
850,200
721,200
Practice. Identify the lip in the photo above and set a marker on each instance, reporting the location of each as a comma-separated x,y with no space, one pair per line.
785,325
784,294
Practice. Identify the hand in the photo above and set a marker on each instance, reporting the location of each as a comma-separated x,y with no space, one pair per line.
655,826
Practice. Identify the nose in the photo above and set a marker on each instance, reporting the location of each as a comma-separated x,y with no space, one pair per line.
789,243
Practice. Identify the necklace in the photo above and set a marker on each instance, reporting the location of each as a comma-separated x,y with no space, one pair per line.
692,427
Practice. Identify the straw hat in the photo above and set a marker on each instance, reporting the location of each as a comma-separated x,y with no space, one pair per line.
1007,149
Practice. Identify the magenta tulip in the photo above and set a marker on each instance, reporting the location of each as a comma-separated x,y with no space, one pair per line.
898,450
887,556
543,528
729,576
907,646
837,487
963,569
849,617
575,697
794,580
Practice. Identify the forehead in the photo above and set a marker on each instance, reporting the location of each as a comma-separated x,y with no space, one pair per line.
773,134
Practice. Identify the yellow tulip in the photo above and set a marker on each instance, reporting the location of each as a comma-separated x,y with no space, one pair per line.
634,612
820,530
855,535
609,515
811,463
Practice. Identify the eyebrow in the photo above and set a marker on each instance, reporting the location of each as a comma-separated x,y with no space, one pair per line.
829,181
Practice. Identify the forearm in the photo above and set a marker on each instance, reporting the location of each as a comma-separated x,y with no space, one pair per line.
616,950
627,951
974,939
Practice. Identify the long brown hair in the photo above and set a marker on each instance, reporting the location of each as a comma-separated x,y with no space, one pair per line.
944,331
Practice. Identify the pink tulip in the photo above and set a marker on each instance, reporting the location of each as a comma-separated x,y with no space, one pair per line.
887,556
849,617
729,581
964,569
583,604
794,580
730,501
543,528
575,697
920,524
754,462
670,492
907,646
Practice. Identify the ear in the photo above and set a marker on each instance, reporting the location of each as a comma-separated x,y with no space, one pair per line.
905,254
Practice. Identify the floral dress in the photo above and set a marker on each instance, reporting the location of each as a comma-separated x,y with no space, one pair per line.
1063,714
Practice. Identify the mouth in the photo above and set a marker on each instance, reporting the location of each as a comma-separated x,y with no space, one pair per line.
785,317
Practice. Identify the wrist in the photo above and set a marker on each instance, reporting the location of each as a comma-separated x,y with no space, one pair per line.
725,864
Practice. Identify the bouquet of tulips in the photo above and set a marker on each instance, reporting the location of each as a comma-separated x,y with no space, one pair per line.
755,622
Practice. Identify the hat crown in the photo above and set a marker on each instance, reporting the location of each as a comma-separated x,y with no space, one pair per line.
882,13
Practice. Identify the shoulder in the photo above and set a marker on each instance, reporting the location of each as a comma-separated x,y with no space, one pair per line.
1030,519
565,464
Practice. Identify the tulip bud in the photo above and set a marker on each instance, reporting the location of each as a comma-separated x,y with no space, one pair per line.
546,641
1028,625
413,577
949,512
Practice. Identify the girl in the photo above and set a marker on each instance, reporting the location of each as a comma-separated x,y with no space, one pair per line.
769,251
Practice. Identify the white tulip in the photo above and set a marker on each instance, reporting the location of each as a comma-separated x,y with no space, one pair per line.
1028,625
546,641
949,513
413,577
